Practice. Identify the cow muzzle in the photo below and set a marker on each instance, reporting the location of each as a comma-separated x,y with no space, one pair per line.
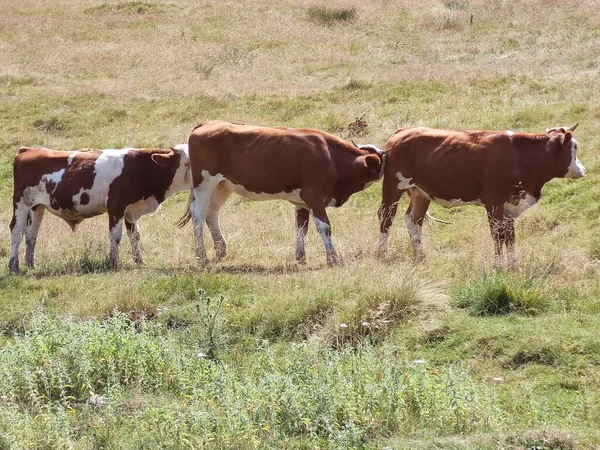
576,169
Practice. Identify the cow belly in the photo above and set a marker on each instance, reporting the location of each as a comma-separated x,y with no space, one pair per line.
515,210
136,210
293,196
450,203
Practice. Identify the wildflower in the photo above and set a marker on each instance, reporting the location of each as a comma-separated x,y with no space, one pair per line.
498,379
201,355
434,372
419,361
366,324
343,325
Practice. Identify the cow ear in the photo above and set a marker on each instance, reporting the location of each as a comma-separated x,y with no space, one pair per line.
373,163
565,139
162,159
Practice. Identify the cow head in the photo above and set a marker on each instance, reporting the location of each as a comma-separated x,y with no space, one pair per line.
367,168
178,159
566,152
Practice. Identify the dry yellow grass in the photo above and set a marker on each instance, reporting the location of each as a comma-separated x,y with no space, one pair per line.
116,73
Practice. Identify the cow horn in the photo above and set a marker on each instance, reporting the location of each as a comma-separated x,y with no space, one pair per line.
572,128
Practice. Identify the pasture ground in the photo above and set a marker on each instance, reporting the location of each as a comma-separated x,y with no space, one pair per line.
256,351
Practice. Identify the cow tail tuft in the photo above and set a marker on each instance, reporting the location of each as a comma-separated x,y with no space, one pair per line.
188,211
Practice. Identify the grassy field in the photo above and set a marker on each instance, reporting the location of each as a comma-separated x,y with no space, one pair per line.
259,352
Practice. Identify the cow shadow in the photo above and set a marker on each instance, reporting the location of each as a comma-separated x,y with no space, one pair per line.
241,268
76,266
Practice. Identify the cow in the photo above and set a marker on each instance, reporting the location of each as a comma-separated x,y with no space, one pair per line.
309,168
74,185
503,171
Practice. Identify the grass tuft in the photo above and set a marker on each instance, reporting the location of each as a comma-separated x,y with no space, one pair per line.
502,293
132,7
330,16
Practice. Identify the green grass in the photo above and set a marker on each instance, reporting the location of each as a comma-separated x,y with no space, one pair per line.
446,354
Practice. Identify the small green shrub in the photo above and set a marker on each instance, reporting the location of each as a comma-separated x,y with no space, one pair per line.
131,7
502,293
329,16
457,5
52,124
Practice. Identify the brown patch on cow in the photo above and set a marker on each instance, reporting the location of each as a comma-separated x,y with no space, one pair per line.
141,178
280,159
31,164
491,167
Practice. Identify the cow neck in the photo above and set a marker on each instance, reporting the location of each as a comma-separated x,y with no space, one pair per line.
536,162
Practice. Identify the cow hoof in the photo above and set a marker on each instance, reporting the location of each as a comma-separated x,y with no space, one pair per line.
13,265
202,261
139,261
335,261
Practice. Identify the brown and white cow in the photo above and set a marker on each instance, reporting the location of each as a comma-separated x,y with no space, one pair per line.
309,168
74,185
500,170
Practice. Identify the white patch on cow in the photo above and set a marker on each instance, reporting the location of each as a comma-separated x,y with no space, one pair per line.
404,183
333,202
510,133
449,203
71,157
515,211
576,169
181,148
293,196
182,180
34,195
54,177
107,167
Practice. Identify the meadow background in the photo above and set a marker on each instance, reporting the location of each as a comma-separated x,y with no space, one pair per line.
259,352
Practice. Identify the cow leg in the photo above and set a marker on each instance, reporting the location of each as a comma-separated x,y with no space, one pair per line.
219,197
497,226
133,232
115,227
389,204
509,241
302,216
199,210
417,209
315,200
17,225
34,221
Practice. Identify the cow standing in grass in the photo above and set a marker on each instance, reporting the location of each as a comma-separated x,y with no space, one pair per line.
500,170
309,168
75,185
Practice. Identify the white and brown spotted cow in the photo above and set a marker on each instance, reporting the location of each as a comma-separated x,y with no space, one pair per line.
126,183
309,168
500,170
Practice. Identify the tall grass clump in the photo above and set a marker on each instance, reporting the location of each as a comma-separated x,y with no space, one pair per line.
330,16
375,308
501,293
323,398
62,360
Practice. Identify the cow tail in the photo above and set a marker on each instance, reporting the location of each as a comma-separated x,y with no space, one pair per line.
188,211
